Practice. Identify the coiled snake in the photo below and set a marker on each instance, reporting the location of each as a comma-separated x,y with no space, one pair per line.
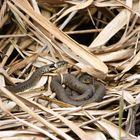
85,93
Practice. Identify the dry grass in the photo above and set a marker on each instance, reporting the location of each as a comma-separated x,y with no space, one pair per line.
99,37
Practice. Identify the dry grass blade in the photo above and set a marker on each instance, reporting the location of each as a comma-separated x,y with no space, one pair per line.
112,129
22,63
111,29
78,6
134,61
116,56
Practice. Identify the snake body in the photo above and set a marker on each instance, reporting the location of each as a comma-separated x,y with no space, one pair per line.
89,95
88,83
80,87
35,77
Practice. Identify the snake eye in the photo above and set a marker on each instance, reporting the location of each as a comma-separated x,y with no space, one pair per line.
52,65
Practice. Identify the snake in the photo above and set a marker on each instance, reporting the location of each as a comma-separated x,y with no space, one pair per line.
35,77
88,94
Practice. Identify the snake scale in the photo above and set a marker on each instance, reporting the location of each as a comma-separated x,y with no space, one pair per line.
78,91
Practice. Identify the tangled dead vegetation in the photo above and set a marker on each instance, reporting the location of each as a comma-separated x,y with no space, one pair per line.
98,37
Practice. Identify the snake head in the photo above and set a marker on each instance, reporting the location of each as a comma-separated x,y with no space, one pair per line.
60,64
86,78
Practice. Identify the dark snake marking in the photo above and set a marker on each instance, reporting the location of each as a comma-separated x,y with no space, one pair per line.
35,77
73,83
